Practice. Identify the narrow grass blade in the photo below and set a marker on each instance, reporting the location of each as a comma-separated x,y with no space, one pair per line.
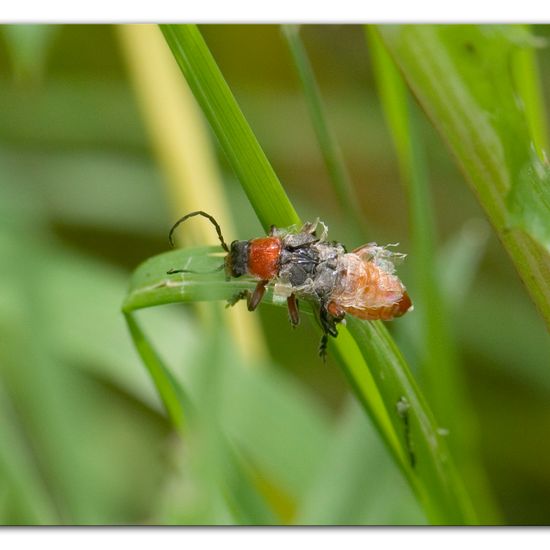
386,389
328,145
236,138
168,389
440,371
233,477
270,203
151,286
461,76
441,489
436,482
186,155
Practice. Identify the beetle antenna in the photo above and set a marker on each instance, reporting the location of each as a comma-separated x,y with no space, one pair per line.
205,215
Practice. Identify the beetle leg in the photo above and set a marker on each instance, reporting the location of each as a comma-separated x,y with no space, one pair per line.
257,295
253,300
323,344
323,348
293,311
240,295
328,324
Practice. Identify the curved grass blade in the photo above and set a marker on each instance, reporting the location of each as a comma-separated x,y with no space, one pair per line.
233,476
171,393
386,389
151,286
185,153
253,169
441,493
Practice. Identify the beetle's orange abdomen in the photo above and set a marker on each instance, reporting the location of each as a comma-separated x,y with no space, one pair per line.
263,257
368,292
383,313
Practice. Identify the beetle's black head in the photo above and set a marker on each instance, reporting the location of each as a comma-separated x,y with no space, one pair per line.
236,262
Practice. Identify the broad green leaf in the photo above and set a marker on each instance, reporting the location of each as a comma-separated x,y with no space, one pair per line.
462,76
529,201
529,88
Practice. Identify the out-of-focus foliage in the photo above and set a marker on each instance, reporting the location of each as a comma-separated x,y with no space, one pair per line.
479,85
84,438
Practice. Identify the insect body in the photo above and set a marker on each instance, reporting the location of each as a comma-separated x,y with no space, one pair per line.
302,264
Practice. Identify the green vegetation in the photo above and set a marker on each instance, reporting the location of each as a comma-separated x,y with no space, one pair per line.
218,416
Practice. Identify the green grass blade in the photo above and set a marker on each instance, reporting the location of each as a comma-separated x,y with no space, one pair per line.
441,493
230,472
233,132
270,203
383,389
462,77
440,487
440,371
332,154
151,286
168,389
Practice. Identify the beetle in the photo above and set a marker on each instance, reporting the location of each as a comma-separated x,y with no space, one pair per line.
304,265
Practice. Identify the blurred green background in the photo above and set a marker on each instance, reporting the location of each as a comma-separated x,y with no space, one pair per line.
83,437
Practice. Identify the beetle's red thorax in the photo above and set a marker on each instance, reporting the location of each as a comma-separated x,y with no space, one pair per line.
263,257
